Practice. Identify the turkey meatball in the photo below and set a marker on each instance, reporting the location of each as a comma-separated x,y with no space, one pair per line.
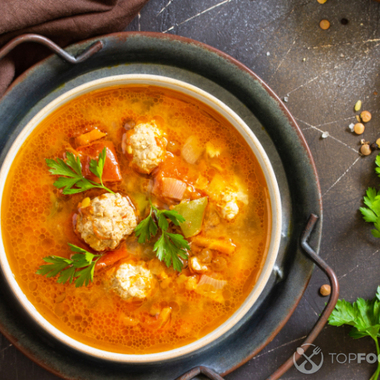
147,146
227,206
105,221
132,281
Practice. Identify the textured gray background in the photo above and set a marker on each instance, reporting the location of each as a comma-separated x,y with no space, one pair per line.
323,73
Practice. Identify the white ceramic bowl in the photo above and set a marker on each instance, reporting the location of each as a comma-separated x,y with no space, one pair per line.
257,149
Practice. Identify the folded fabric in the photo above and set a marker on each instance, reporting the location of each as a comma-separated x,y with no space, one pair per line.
63,21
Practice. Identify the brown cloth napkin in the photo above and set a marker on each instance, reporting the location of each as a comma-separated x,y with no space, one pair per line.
63,21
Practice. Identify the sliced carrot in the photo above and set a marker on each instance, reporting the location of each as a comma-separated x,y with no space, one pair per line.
111,171
176,167
111,258
89,137
222,245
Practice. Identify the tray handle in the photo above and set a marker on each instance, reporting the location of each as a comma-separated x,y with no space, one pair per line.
87,53
317,327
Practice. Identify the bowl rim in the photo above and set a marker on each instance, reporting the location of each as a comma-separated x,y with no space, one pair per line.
242,129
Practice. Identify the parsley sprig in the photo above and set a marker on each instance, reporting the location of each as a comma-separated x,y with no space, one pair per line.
68,269
364,317
371,213
169,247
70,171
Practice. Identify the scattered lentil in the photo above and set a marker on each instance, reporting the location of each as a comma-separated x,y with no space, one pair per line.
325,290
365,150
359,128
358,106
324,24
365,116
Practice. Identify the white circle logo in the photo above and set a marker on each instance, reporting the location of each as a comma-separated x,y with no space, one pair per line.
309,365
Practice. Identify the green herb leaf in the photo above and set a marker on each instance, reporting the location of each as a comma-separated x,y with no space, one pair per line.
74,163
96,167
67,268
146,229
377,162
66,275
169,247
85,276
371,213
173,215
72,180
57,264
179,241
363,316
343,314
368,215
162,222
159,248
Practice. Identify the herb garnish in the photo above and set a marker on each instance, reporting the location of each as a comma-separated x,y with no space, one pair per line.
67,268
364,316
372,201
169,246
72,180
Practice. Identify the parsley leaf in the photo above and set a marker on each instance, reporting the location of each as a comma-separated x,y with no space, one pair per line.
96,167
363,316
57,265
85,276
371,213
146,229
173,215
377,162
67,268
169,247
72,180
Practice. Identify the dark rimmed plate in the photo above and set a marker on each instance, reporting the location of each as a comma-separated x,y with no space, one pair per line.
234,84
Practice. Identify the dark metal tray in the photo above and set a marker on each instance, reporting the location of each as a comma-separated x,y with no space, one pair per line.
234,84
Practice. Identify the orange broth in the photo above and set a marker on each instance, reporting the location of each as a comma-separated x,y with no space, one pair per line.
36,222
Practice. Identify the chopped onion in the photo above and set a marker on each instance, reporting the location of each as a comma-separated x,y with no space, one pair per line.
129,125
154,187
216,284
150,186
192,150
172,188
124,143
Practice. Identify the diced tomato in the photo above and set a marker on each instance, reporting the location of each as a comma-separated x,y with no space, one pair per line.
111,258
111,171
176,167
168,178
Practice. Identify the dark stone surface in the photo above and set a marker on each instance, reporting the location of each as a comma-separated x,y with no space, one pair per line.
323,74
